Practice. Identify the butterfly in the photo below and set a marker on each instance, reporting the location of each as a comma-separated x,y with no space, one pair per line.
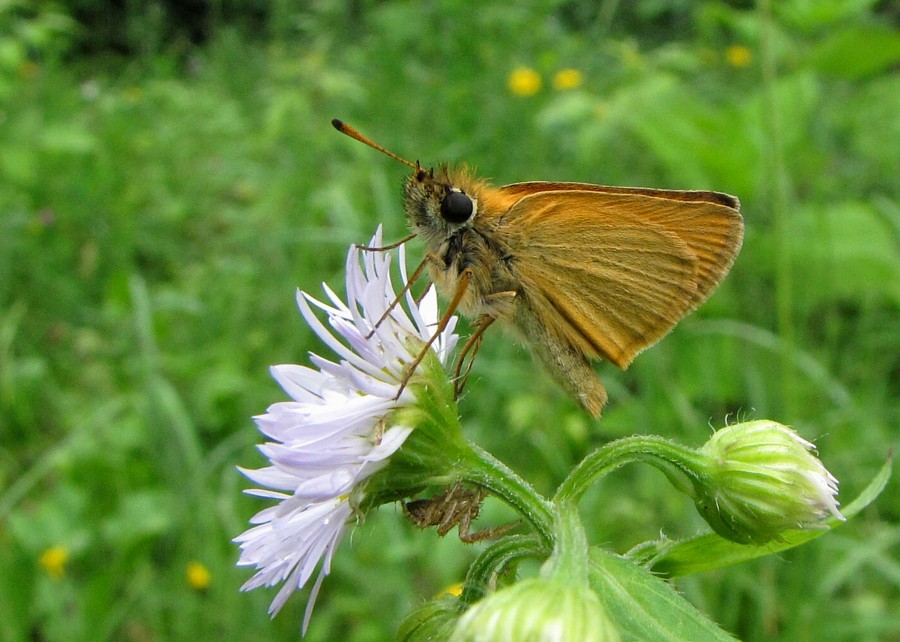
579,271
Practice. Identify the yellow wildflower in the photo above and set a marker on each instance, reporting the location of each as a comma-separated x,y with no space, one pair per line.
53,560
524,81
738,56
198,576
567,79
454,589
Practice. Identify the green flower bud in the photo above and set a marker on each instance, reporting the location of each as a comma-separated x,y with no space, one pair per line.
431,622
537,610
760,479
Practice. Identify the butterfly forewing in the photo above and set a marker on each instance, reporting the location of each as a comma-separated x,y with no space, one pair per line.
520,190
611,269
709,222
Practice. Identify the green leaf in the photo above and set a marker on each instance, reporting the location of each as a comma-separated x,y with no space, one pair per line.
812,15
847,250
857,51
645,607
708,552
70,138
142,515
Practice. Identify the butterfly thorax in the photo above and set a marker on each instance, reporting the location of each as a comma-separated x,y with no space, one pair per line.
454,215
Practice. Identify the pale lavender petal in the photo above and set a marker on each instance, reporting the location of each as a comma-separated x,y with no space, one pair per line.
265,494
372,386
300,382
326,337
270,477
327,309
311,602
336,300
391,441
337,482
428,313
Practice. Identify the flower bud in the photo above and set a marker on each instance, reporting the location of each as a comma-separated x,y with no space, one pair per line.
431,622
760,479
538,609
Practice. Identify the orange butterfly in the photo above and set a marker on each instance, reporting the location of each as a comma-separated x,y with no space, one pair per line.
580,271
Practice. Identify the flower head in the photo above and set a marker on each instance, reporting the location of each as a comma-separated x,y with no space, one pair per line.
53,560
339,428
566,79
524,81
738,56
198,576
761,479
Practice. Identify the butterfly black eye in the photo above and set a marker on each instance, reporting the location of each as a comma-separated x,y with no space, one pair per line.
456,207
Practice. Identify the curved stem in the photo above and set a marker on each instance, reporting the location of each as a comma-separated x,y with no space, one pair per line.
664,454
569,562
494,558
484,469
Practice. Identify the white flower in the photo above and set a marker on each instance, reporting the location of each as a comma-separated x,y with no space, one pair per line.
334,434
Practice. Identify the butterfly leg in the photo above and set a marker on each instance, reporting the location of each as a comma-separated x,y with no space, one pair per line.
464,279
385,248
429,258
473,343
500,303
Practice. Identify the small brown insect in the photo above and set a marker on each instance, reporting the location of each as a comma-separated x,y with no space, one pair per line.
580,271
455,506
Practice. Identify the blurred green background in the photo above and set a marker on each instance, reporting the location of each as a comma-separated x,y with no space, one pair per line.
169,176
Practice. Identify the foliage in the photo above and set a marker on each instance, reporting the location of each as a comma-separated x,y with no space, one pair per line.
157,211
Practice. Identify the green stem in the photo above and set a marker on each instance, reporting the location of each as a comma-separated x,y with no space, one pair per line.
569,562
437,452
779,196
484,469
494,558
666,455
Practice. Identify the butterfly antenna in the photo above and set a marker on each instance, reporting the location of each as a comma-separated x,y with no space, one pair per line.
344,128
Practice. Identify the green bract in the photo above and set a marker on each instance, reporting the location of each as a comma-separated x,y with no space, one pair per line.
537,609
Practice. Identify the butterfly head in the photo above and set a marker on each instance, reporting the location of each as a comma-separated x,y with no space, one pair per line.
440,201
437,203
